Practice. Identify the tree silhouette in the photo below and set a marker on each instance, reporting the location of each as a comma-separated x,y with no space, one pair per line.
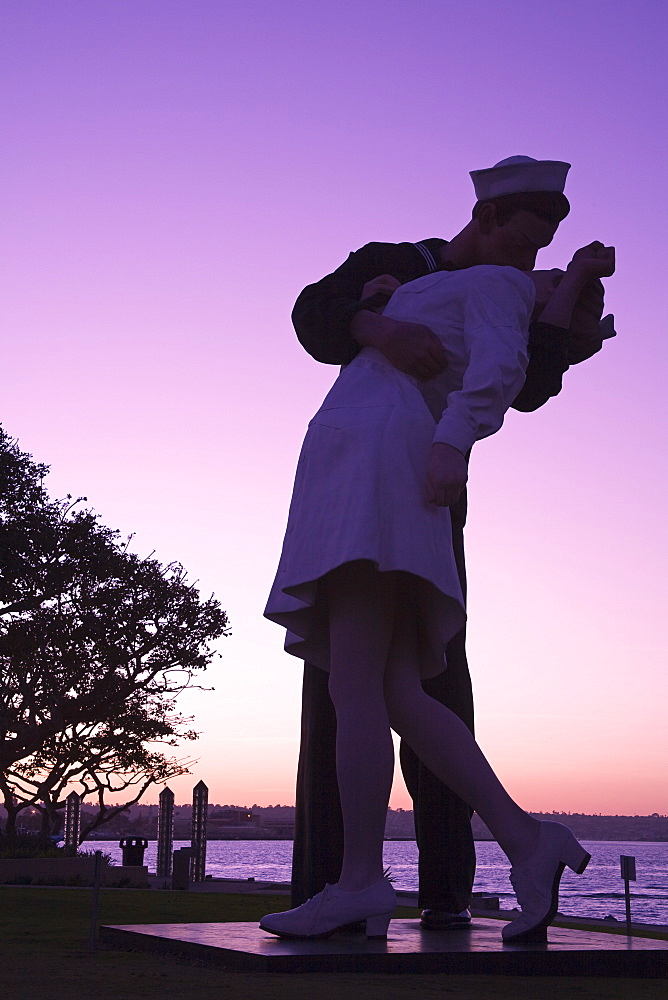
96,643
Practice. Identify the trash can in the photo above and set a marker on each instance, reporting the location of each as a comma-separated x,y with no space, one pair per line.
133,850
181,867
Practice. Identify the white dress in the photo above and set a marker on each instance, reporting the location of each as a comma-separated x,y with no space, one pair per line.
361,478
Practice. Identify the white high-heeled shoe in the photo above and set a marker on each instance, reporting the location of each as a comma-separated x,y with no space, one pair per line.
334,908
536,881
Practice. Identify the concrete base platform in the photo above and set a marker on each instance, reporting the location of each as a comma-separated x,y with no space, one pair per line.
408,949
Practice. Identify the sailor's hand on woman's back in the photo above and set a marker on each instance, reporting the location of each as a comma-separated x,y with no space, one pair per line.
446,475
384,284
410,347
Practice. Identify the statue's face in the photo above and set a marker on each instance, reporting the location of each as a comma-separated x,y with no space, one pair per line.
517,243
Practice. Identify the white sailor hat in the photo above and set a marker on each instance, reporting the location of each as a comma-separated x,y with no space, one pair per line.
519,174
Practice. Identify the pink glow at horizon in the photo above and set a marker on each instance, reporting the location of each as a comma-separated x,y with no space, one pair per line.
174,174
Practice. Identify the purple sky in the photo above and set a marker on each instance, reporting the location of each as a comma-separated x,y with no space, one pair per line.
175,172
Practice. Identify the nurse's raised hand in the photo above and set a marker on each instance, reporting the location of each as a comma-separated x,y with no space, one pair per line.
593,261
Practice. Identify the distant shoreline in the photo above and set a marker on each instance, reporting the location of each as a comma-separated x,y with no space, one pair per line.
231,823
482,840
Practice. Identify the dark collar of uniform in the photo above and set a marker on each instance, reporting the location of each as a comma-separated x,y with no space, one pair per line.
430,250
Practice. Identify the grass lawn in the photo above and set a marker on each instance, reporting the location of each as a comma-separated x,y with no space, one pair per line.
44,956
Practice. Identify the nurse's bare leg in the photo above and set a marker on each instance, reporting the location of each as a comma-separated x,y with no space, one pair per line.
446,746
538,851
361,615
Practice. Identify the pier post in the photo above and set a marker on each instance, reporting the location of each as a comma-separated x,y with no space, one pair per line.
163,864
72,822
198,838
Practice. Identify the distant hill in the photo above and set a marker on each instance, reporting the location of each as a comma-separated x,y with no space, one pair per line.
650,828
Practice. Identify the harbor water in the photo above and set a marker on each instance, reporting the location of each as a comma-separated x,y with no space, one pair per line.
598,893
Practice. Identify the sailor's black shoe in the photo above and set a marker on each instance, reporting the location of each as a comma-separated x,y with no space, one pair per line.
442,920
